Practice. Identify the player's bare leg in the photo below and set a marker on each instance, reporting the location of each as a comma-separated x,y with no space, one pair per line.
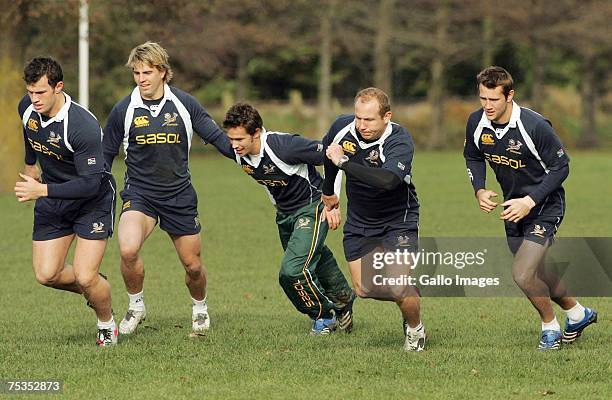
49,263
558,291
525,273
87,259
188,248
134,228
355,270
409,306
577,316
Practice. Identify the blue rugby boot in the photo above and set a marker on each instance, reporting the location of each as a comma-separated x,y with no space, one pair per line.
573,331
323,326
550,340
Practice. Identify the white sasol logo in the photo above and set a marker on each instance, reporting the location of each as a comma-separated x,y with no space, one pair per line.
538,231
97,227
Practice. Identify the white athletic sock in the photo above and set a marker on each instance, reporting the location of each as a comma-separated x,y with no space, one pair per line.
417,328
199,306
575,314
551,326
136,301
110,324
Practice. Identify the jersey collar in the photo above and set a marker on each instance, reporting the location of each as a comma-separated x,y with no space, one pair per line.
137,102
381,139
254,160
514,118
61,114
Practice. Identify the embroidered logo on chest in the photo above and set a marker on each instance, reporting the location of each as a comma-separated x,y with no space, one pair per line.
514,146
269,169
54,139
373,158
170,119
487,138
33,125
141,121
349,146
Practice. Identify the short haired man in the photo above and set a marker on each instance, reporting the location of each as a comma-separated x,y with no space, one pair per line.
530,164
383,209
284,165
155,124
75,194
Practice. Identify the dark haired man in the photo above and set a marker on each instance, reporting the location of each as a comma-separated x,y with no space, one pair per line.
284,165
75,194
155,125
383,209
530,164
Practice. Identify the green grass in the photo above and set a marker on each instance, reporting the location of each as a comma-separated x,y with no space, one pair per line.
480,348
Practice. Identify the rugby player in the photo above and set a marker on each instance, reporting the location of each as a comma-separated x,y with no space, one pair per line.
284,165
74,194
530,164
383,209
155,125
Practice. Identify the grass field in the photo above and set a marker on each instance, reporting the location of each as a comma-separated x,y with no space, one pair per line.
479,348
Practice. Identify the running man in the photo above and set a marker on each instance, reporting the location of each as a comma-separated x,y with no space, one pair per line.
530,164
75,194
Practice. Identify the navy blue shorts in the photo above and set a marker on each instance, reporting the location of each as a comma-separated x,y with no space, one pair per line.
91,218
176,215
361,240
539,229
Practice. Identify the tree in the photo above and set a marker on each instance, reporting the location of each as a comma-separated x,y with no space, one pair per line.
586,34
383,71
440,34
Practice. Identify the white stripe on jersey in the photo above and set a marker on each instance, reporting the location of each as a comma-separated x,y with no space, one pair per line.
530,145
182,110
26,115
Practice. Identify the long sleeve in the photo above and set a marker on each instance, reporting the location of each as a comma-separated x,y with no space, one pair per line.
474,159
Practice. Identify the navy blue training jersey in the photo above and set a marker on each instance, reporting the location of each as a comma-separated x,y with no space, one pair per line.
67,146
157,139
521,154
285,167
393,151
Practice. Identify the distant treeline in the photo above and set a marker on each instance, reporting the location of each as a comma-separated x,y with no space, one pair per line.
419,50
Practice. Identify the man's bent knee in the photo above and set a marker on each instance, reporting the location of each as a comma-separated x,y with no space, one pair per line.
523,278
46,279
194,270
129,255
86,279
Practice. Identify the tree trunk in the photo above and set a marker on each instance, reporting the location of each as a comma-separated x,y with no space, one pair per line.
325,68
242,82
539,75
488,34
588,97
12,88
436,86
11,146
382,49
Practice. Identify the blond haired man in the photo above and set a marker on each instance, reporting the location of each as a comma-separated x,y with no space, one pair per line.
155,125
